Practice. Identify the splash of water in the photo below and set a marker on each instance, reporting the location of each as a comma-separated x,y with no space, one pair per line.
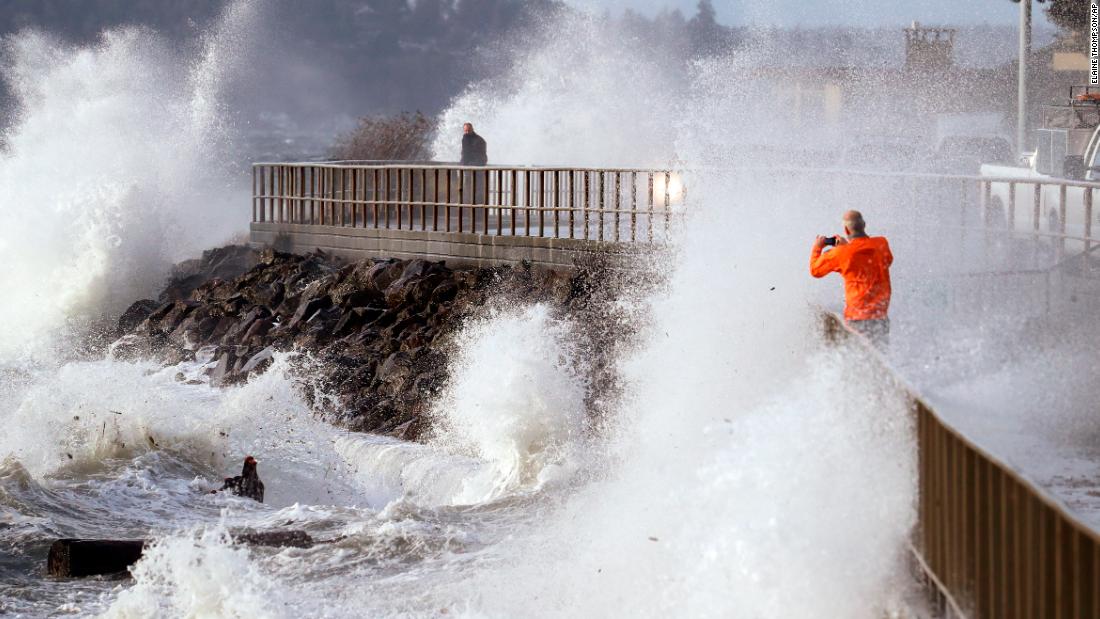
515,400
747,472
195,576
118,151
590,98
754,474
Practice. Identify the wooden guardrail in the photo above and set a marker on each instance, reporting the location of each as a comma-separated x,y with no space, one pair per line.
991,542
615,204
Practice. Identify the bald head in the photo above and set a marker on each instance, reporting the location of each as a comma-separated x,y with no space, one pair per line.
854,224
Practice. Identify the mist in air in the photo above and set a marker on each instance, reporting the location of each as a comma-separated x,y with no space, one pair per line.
743,469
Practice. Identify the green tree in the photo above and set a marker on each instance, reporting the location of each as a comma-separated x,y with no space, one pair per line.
1069,15
707,35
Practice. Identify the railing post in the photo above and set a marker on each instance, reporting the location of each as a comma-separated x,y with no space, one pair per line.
618,201
587,200
633,206
397,198
1011,207
435,200
987,190
572,203
384,198
515,199
277,191
557,204
461,197
343,196
308,199
375,192
354,197
411,198
1088,229
651,207
540,186
528,201
1035,206
603,203
1061,222
447,209
486,175
668,204
301,194
319,194
411,172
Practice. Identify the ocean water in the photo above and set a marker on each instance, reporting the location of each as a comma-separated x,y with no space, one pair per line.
745,472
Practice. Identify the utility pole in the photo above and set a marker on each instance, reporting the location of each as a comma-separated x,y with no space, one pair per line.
1021,95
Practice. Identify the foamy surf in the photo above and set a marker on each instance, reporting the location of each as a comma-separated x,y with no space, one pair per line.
735,477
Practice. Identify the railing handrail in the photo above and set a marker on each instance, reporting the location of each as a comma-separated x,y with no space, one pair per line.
1051,501
988,535
1040,179
458,166
382,164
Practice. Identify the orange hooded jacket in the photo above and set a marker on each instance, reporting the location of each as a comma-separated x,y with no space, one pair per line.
864,263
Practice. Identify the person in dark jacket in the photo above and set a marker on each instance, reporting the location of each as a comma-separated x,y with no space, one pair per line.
248,483
473,147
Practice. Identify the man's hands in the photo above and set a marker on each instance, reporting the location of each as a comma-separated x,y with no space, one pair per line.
819,242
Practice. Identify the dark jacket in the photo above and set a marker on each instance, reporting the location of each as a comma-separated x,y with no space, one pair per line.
473,149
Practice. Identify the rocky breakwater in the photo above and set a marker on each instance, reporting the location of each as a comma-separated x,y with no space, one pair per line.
374,335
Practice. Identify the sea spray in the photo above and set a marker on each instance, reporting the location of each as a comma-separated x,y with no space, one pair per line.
515,399
201,576
116,167
745,472
545,109
753,473
87,415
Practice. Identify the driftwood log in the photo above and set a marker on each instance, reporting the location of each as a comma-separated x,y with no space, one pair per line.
77,558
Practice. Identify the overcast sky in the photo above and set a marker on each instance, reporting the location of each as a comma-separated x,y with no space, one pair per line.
810,13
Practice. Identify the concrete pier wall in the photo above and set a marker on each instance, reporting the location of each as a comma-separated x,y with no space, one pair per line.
457,249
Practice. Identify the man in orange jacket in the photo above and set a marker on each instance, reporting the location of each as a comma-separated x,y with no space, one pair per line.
864,262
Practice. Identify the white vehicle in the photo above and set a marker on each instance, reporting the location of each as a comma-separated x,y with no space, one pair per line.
1056,173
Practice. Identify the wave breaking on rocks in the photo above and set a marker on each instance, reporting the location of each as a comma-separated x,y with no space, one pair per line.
374,336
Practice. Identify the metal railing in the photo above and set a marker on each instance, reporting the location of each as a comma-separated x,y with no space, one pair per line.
1058,214
990,540
617,205
640,205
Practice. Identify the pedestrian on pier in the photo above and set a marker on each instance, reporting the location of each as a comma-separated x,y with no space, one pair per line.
473,147
864,263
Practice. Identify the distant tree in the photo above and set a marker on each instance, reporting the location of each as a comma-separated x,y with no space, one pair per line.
404,137
707,36
1069,15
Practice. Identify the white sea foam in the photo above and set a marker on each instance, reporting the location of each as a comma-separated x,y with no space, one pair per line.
199,576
